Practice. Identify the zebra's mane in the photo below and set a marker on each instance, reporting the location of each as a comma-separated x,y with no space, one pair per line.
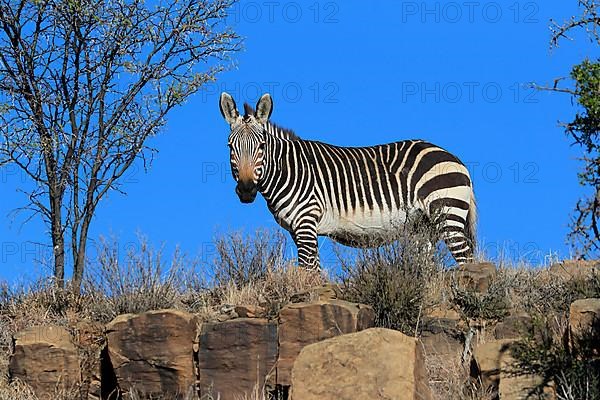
272,128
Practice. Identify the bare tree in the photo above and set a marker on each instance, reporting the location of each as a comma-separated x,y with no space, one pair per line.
84,84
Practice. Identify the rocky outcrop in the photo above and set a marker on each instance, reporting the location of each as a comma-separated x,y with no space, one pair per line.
236,355
46,358
442,339
441,333
584,326
302,324
250,311
514,327
476,276
570,269
373,364
495,368
487,361
153,352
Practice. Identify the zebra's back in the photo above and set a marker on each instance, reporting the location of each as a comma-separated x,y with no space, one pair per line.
365,193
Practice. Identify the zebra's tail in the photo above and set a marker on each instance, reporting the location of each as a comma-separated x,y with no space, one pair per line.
470,229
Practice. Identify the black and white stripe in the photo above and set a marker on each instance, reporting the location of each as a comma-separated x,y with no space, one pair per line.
358,196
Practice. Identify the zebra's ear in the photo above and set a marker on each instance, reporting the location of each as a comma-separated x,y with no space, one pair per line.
264,108
228,108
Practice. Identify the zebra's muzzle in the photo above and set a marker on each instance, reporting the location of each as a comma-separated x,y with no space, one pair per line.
246,191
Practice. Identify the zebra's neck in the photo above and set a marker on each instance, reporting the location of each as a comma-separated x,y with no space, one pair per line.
279,132
282,167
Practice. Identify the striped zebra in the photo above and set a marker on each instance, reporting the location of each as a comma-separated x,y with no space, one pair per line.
357,196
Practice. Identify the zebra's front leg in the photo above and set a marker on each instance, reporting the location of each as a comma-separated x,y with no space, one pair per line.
305,237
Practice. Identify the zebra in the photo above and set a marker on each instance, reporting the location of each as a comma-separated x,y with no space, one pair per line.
356,196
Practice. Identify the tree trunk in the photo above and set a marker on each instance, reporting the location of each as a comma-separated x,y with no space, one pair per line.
79,262
58,242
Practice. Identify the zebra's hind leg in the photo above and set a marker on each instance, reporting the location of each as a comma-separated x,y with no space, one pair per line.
458,242
305,237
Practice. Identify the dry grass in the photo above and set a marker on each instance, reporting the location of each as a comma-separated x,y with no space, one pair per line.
144,280
16,390
402,281
399,280
449,380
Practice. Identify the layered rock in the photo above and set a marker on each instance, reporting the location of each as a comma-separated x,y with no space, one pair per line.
236,355
476,276
584,326
373,364
514,327
575,269
153,352
46,358
499,374
302,324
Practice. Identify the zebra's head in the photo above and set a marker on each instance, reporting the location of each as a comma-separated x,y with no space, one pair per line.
246,143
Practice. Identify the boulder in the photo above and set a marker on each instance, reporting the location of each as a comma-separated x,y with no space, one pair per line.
301,324
476,276
487,360
514,327
498,372
90,339
45,358
373,364
569,269
324,292
442,338
442,333
584,326
515,385
153,352
236,355
250,311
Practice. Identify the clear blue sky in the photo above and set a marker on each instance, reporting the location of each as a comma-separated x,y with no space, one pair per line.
360,73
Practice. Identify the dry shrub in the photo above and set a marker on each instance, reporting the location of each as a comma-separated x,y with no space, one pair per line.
252,270
242,259
142,281
452,380
16,390
491,305
135,394
393,278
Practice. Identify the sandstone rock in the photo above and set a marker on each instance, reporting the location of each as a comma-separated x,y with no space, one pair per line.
153,352
442,338
569,269
250,311
227,312
45,358
584,326
487,360
235,355
476,276
302,324
90,339
514,327
518,386
319,293
373,364
496,369
442,332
